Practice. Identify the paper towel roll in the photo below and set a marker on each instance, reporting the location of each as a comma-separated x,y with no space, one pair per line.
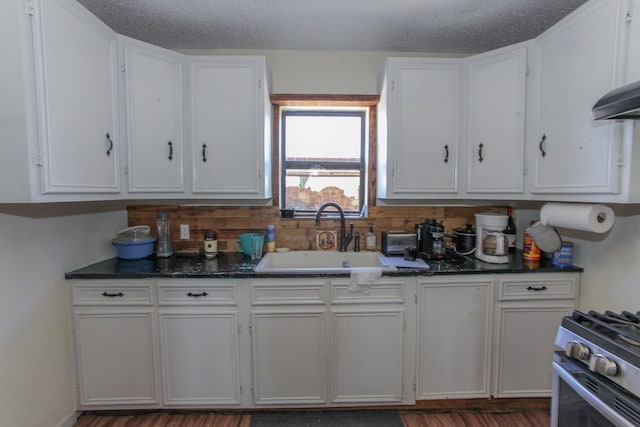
594,218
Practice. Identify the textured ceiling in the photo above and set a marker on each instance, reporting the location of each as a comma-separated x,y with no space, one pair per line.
454,26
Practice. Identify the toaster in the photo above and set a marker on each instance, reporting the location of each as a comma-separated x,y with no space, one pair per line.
394,242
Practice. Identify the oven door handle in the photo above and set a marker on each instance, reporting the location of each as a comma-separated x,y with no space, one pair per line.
584,393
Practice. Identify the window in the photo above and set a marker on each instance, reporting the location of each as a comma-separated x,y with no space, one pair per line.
323,157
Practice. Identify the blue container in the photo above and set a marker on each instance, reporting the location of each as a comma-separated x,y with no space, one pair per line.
136,249
564,256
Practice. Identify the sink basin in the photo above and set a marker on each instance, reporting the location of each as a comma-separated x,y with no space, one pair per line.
320,262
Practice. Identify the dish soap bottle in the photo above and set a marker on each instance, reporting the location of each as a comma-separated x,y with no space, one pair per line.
370,240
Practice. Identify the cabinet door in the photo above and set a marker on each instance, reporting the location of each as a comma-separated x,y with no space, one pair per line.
525,335
633,47
495,129
227,125
454,350
423,113
75,57
153,85
289,356
114,351
200,357
367,355
576,63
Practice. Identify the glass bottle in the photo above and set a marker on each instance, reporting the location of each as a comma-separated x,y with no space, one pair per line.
511,232
210,245
370,240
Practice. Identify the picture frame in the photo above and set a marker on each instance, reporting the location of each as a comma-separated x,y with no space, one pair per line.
326,240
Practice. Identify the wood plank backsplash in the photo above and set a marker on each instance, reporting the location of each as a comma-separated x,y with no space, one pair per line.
230,221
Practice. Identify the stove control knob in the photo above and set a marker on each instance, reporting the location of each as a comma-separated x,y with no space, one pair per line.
577,350
603,365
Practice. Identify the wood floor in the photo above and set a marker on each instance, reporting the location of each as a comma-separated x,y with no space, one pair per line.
409,418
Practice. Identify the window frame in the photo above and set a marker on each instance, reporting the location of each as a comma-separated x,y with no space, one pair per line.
361,165
369,102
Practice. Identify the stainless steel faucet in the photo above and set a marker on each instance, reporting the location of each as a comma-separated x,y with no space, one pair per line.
343,240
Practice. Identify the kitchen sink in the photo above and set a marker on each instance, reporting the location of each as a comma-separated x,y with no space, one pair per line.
320,262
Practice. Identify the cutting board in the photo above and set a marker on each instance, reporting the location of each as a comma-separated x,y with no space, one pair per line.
403,263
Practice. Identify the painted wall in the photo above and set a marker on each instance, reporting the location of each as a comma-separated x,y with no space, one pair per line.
611,260
322,72
37,379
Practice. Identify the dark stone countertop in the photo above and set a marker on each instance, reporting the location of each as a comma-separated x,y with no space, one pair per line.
237,265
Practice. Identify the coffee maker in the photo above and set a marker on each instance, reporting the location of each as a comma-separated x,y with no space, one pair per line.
491,243
430,240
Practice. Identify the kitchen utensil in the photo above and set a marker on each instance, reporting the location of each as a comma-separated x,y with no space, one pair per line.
546,237
244,243
134,242
491,243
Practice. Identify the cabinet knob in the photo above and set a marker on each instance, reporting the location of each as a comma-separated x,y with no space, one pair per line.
480,147
170,150
204,153
446,155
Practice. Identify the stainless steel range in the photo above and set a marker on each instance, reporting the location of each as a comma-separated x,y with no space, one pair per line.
596,379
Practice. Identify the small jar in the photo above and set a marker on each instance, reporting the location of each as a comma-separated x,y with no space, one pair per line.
210,245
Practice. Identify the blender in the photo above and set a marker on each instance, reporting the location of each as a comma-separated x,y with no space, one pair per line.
164,235
491,243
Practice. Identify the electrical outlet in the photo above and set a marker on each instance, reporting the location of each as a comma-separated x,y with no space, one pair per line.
184,231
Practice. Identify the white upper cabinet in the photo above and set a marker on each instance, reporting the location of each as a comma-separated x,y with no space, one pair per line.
419,128
154,125
633,59
577,61
230,127
495,118
76,90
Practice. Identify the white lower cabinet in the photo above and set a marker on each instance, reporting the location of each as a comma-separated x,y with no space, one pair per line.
289,356
115,337
367,342
288,337
454,337
320,342
316,342
199,328
530,308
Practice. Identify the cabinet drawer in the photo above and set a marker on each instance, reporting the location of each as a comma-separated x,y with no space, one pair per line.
223,294
287,293
111,293
343,293
544,288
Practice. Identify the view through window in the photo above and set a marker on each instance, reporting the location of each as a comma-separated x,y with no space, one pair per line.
323,158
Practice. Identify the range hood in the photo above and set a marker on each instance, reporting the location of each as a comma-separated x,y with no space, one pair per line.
619,104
